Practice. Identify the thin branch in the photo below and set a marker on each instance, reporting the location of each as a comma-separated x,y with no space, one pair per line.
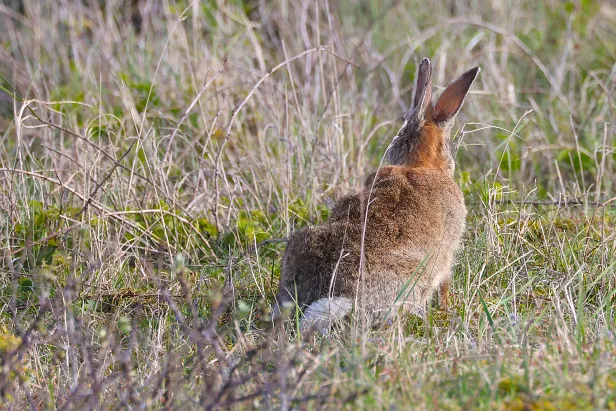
107,177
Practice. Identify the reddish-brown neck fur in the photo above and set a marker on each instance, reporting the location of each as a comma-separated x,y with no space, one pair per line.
429,149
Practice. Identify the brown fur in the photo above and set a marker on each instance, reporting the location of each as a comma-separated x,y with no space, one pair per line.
415,221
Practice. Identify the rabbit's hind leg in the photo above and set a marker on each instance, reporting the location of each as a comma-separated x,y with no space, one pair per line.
443,294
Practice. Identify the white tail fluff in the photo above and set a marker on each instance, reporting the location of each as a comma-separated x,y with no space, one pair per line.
324,312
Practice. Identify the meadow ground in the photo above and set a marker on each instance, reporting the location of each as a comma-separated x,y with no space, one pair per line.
153,154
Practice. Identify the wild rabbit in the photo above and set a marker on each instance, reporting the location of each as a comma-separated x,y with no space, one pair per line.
391,245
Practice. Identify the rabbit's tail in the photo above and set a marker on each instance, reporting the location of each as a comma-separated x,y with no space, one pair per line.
322,313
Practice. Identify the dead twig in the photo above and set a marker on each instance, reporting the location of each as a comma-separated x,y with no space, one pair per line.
98,185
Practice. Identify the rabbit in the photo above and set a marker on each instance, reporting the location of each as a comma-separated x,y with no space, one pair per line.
391,245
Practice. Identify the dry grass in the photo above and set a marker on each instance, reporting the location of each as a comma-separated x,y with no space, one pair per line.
147,148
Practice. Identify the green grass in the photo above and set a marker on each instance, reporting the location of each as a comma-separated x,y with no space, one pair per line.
140,168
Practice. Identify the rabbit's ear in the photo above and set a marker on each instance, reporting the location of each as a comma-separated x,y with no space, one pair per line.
422,93
450,102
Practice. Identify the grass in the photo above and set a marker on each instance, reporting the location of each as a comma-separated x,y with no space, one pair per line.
152,156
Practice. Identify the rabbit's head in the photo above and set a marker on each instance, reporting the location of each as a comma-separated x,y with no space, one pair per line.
423,140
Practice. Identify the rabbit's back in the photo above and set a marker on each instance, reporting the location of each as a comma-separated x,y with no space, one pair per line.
416,220
407,206
407,220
